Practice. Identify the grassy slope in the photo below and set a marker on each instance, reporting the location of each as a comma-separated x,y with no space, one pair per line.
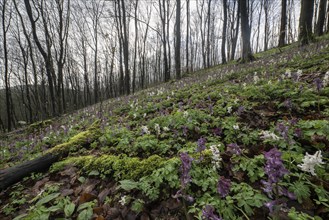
223,105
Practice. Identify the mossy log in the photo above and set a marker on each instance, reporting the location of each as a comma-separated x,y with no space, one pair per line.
14,174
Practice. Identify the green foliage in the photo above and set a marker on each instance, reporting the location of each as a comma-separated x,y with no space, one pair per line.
301,190
295,215
253,166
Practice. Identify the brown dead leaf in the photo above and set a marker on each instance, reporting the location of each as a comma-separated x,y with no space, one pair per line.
100,218
86,197
37,185
102,195
67,192
98,210
69,171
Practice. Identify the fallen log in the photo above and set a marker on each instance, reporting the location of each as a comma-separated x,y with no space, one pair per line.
12,175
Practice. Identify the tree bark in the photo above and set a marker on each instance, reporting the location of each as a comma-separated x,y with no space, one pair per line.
305,22
6,71
14,174
46,56
321,18
187,33
245,32
178,40
283,24
224,32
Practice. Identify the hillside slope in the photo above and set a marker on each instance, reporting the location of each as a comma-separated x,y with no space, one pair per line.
235,141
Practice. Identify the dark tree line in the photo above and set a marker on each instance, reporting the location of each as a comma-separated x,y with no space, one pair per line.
58,56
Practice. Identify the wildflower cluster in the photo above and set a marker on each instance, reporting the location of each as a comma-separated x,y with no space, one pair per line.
310,161
185,168
274,169
201,144
145,130
157,129
216,159
223,186
326,79
283,130
233,148
208,213
268,135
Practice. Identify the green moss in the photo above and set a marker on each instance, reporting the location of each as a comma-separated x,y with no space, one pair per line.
38,125
120,167
80,140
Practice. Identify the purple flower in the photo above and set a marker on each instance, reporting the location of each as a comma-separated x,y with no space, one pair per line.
287,104
318,83
223,186
185,168
185,130
208,213
234,148
217,131
283,130
201,144
298,132
271,204
283,191
240,110
274,169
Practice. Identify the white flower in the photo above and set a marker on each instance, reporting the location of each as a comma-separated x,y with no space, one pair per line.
299,74
135,115
166,129
185,114
216,159
144,115
157,128
229,109
236,127
256,78
288,73
123,200
145,130
326,79
268,135
309,162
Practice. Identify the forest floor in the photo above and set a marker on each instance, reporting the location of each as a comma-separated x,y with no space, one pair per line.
236,141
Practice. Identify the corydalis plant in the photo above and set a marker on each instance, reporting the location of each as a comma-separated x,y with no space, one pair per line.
233,148
185,168
274,169
310,161
208,213
201,144
223,186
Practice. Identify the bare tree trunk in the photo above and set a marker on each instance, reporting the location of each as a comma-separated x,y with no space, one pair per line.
187,34
321,18
266,25
125,48
224,32
305,22
178,40
235,37
46,55
245,32
6,70
163,11
135,49
283,25
208,33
